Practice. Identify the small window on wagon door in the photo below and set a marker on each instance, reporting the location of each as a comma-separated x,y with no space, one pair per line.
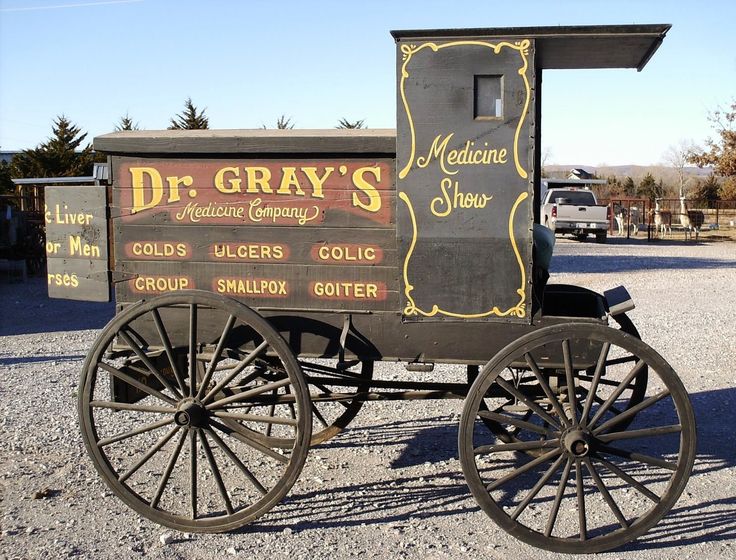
488,97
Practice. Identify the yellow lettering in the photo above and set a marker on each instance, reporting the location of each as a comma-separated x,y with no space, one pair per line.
174,183
288,180
138,175
234,184
317,181
374,198
258,177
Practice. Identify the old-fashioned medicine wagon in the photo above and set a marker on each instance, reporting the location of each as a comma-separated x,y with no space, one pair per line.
258,276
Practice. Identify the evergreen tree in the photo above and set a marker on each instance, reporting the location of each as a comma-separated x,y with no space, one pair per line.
60,156
6,183
629,187
126,123
284,123
649,188
190,118
344,123
708,190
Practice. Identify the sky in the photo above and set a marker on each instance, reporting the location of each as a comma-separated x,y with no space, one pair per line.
248,62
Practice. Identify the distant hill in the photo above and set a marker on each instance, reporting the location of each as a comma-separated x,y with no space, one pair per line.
636,172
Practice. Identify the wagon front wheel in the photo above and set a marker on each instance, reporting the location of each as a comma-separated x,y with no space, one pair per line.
584,472
174,401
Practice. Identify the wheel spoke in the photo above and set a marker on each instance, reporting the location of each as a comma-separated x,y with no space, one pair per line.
628,479
256,418
135,407
537,487
163,335
617,392
238,463
216,473
546,388
631,412
241,433
504,419
517,446
569,378
150,453
193,471
135,383
137,431
633,456
606,494
599,369
644,432
558,499
526,400
521,470
579,490
245,395
147,362
216,356
319,417
244,363
192,359
169,468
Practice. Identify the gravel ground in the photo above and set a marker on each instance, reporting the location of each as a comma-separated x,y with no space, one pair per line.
391,486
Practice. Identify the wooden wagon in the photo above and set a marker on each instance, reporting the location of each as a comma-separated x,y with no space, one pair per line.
259,275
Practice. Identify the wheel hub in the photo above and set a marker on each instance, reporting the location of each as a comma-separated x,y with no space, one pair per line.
576,442
191,414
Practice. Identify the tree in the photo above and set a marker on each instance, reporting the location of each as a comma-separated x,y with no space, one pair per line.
60,156
126,123
676,157
282,123
190,118
721,154
629,187
649,188
708,190
344,123
6,182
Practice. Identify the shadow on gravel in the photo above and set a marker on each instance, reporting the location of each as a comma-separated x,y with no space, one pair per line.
385,503
627,263
430,440
26,309
13,360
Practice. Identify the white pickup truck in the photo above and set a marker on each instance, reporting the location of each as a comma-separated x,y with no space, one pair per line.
575,211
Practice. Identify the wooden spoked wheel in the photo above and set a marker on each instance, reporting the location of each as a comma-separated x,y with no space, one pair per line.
331,415
333,399
586,473
180,400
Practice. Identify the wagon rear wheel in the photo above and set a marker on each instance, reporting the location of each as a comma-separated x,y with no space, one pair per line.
601,474
186,449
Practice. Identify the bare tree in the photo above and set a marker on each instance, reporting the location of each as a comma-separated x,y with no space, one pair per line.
677,157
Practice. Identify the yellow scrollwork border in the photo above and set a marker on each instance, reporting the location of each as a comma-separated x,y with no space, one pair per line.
410,50
518,310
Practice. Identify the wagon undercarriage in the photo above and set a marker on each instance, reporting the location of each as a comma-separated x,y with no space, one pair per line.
567,416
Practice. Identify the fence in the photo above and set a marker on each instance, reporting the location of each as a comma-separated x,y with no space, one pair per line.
635,216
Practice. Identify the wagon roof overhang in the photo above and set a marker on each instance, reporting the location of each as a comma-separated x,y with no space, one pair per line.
568,47
250,141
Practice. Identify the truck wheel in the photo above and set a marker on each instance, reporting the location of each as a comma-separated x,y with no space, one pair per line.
600,237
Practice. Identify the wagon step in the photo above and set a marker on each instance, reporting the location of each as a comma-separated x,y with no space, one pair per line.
420,366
